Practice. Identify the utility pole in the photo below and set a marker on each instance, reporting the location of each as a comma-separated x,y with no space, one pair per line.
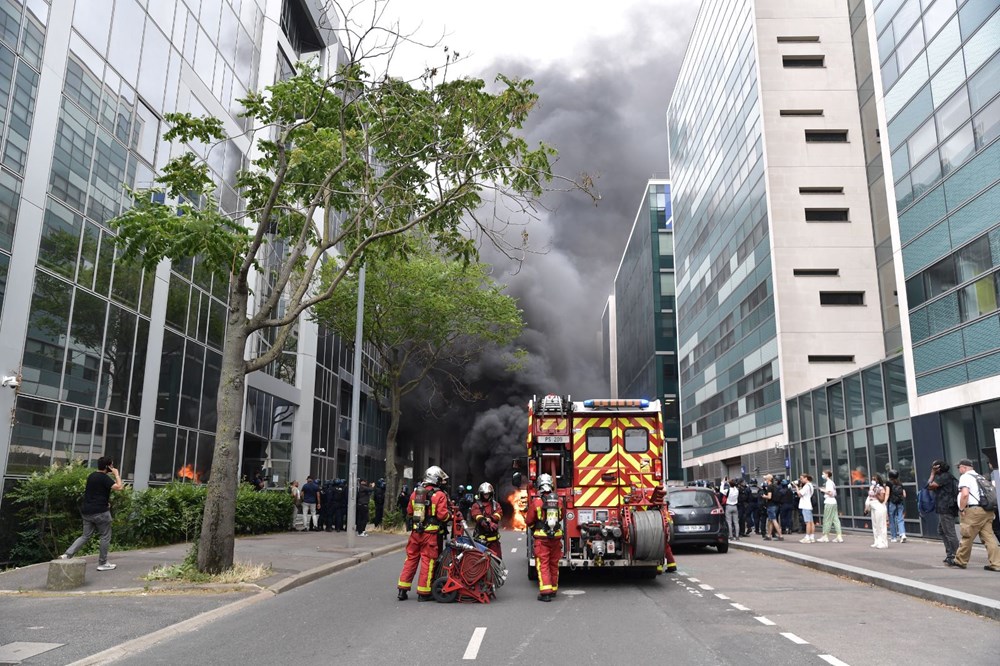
352,470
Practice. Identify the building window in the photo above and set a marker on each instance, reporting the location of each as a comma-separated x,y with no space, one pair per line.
821,190
826,136
816,272
827,215
790,61
841,298
801,112
831,358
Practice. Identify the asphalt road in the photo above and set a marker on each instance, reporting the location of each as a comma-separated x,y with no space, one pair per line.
723,609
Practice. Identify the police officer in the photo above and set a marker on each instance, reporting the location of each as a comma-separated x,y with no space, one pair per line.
339,506
426,513
486,514
379,494
544,519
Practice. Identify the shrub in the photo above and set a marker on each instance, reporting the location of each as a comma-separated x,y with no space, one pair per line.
48,503
258,512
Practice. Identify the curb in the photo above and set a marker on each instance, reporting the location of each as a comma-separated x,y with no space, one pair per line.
980,605
136,645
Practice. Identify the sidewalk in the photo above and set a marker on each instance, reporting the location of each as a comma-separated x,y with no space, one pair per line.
295,558
915,567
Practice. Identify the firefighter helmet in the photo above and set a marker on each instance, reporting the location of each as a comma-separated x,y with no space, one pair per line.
435,476
544,483
485,491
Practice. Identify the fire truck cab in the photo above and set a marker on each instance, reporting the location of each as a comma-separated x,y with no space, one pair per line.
606,458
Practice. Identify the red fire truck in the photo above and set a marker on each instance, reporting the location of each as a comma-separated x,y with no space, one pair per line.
606,458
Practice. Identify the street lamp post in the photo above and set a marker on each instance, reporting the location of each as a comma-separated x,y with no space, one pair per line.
352,472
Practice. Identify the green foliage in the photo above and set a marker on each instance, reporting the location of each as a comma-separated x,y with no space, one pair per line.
392,520
48,514
166,514
259,512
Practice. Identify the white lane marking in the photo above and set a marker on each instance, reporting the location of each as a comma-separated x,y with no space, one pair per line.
793,638
477,639
706,587
830,659
721,596
739,607
513,550
571,593
694,580
764,621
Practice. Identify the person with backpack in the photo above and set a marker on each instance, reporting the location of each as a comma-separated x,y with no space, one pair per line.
897,498
977,502
944,485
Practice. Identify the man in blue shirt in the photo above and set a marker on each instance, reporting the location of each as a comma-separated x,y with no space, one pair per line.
310,504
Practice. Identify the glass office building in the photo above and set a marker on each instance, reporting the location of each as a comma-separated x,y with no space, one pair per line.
113,360
778,277
729,375
642,313
940,79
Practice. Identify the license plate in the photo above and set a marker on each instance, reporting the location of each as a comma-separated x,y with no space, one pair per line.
692,528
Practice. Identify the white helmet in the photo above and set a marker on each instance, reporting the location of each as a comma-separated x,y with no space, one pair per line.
435,476
484,490
544,483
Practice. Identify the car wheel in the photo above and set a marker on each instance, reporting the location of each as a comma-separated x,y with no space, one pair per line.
723,547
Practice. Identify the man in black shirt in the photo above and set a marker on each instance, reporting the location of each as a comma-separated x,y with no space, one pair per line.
945,488
96,511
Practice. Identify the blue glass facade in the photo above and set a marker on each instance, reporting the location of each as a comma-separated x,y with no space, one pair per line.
645,319
940,64
729,373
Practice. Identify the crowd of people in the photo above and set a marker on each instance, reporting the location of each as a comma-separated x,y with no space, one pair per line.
768,509
320,508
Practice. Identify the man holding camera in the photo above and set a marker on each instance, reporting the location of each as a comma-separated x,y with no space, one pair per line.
96,511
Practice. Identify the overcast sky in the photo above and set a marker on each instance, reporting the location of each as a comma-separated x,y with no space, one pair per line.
604,73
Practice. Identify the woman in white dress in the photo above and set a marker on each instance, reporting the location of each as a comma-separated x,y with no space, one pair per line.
877,496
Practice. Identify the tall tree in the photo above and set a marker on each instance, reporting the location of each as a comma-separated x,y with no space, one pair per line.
352,160
423,314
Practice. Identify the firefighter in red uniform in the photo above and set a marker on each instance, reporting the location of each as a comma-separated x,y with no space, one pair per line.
660,496
427,514
486,513
544,519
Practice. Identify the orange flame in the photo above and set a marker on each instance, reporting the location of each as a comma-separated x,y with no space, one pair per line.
519,504
188,472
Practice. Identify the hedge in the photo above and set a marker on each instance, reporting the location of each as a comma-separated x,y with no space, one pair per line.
47,514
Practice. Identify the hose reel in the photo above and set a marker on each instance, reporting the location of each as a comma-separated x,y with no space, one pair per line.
647,535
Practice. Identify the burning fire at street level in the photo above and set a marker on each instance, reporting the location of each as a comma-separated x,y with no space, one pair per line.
519,504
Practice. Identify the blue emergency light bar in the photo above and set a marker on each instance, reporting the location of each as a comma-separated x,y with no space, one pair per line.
609,402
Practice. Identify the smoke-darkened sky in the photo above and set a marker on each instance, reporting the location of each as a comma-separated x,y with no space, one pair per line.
604,73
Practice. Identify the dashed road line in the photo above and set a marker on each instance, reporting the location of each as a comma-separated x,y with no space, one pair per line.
793,638
513,550
694,580
830,659
739,607
706,587
722,596
763,620
472,650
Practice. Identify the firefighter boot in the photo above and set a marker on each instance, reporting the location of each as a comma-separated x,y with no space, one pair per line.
425,597
401,595
545,597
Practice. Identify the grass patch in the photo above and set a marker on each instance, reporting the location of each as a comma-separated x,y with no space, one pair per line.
186,572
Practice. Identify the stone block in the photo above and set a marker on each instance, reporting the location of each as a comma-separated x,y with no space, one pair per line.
66,574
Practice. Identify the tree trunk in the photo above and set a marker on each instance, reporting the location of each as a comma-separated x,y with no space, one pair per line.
218,524
393,482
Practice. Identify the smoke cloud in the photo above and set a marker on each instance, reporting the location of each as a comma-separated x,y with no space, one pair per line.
603,108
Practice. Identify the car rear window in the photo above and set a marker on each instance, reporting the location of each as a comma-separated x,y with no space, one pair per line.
691,499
